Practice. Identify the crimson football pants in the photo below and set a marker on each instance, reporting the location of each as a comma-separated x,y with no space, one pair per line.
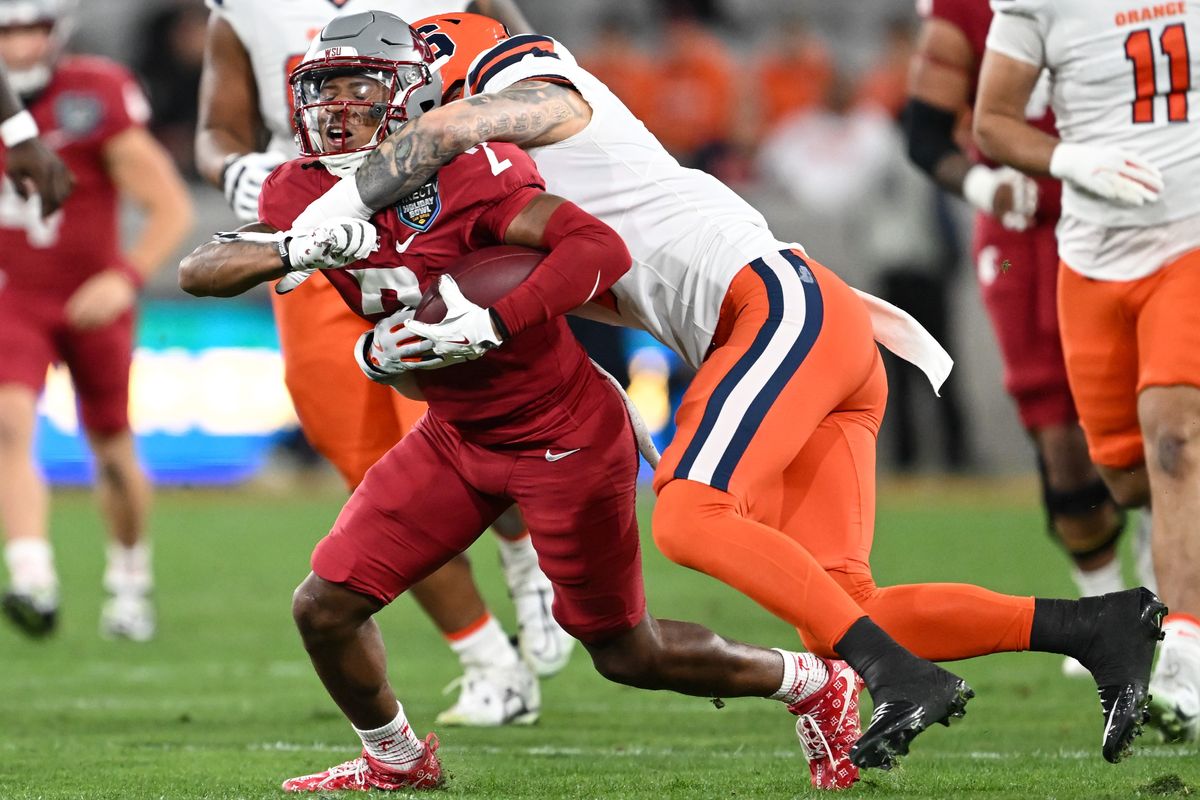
430,496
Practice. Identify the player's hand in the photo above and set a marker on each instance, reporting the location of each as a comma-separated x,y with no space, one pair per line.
332,244
100,300
1004,193
1107,172
381,352
35,169
244,177
466,331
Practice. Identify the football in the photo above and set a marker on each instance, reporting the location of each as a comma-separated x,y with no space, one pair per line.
484,277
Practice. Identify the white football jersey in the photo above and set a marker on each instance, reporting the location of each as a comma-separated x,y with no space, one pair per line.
688,233
1124,74
276,34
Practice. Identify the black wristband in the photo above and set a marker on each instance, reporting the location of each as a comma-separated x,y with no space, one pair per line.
284,255
498,323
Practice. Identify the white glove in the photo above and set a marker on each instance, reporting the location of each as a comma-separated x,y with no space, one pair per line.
332,244
465,332
982,183
379,351
244,177
1107,172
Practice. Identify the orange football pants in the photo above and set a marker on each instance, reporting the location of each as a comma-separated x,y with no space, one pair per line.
769,484
1119,337
347,418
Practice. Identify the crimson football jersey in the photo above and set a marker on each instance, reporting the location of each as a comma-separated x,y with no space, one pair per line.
88,101
973,18
525,392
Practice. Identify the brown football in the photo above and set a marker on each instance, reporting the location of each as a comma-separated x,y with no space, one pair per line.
484,277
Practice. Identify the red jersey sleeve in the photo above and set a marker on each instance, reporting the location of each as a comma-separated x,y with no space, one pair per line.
124,104
289,189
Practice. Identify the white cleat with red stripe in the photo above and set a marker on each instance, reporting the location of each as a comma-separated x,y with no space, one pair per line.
365,773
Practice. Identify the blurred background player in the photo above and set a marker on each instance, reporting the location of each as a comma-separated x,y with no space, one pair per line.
31,167
245,131
68,294
1016,256
1128,154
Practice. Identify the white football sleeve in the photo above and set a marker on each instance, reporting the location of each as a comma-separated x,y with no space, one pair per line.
1017,36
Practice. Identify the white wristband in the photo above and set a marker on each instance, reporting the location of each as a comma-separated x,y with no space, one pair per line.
979,188
18,128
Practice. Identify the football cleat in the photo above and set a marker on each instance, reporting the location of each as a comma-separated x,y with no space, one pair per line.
1073,669
493,696
365,773
1119,652
940,696
36,616
541,641
128,616
1175,684
828,726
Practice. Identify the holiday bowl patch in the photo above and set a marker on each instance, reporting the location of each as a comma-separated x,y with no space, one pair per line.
421,208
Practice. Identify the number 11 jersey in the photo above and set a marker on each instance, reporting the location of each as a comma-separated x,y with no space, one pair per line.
1124,75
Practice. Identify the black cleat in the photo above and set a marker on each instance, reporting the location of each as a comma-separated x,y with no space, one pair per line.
1119,655
895,723
33,618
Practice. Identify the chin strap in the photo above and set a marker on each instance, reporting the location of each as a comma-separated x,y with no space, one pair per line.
344,164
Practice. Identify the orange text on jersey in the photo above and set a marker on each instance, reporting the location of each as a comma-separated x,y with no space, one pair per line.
1147,13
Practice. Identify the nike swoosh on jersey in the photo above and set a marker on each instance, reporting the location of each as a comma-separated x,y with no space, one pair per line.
400,248
557,456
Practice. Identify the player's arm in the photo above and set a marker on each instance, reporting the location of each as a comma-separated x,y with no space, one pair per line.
504,10
939,89
1011,66
233,263
1003,132
584,258
230,131
529,114
29,162
143,173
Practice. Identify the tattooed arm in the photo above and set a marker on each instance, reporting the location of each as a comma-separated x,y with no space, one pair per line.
529,114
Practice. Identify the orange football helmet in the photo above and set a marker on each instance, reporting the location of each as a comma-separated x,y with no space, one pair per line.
455,40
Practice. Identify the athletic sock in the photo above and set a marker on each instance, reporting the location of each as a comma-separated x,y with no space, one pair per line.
803,676
1099,581
885,667
128,570
483,644
31,571
394,744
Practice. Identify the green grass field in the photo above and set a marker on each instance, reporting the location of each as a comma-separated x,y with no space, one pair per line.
224,704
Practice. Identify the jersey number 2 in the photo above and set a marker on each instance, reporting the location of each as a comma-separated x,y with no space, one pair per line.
1139,48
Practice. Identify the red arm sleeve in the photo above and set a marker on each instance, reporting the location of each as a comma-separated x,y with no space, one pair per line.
586,258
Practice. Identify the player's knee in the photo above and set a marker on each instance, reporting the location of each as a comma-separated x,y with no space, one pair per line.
15,436
626,666
1175,449
684,514
318,614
